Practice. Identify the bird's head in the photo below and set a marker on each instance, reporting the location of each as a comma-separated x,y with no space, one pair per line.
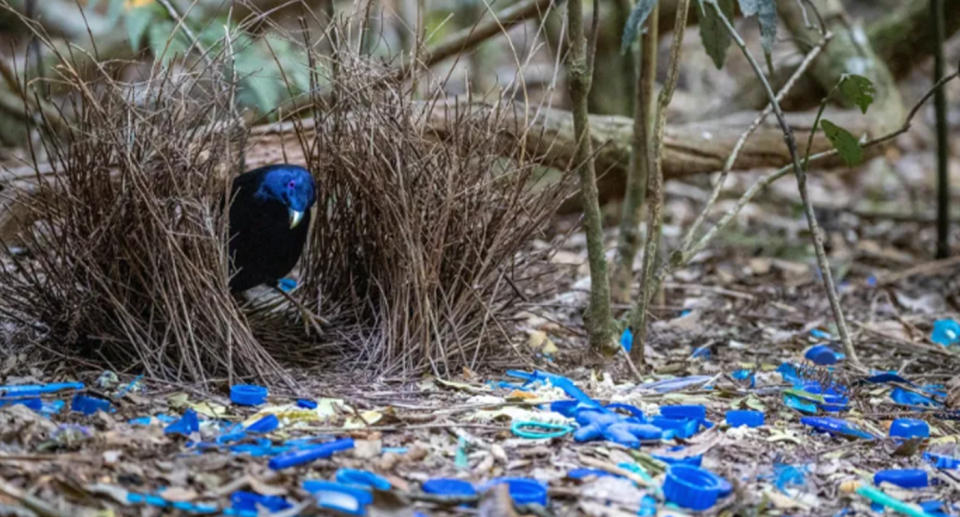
293,186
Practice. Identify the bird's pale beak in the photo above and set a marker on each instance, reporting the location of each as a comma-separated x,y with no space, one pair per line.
295,218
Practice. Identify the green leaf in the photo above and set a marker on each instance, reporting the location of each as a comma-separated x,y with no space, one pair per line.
137,21
845,143
858,90
637,17
713,32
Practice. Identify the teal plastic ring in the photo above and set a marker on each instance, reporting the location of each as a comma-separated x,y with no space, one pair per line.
548,430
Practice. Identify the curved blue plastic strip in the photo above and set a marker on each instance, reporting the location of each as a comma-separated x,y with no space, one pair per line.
301,456
362,478
264,425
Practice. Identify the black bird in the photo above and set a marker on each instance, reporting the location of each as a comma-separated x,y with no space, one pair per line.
267,226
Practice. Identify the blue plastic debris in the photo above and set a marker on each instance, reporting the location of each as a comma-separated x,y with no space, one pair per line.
909,398
788,475
694,460
362,478
819,334
264,425
248,394
679,383
909,428
903,478
885,377
630,434
579,474
51,407
34,403
524,429
626,340
945,332
337,496
675,427
790,373
522,490
249,501
685,412
143,420
310,453
693,487
135,383
834,399
287,284
188,424
648,506
38,389
88,405
448,487
306,404
942,461
702,352
823,355
802,405
745,417
558,381
835,426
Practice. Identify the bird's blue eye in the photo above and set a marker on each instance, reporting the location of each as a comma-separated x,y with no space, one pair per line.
292,184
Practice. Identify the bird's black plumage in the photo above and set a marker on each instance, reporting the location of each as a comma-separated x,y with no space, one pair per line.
266,241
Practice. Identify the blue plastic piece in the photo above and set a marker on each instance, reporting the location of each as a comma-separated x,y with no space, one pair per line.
834,399
909,428
579,474
188,424
311,453
835,426
522,490
693,487
248,501
883,378
684,412
449,487
702,352
626,340
819,334
945,332
306,404
287,284
802,405
903,478
51,407
34,403
677,427
693,461
143,420
362,478
264,425
631,434
88,405
790,373
745,417
909,398
558,381
38,389
788,475
942,461
248,394
671,385
648,506
823,355
337,496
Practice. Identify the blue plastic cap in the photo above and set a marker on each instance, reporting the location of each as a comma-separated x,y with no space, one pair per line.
945,332
522,490
362,478
745,417
691,412
903,478
248,394
448,487
626,340
89,405
909,428
823,355
306,404
337,496
264,425
693,487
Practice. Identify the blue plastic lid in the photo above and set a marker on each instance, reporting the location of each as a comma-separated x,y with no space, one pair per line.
823,355
909,428
747,417
693,487
903,478
522,490
362,478
89,405
264,425
691,412
248,394
337,496
306,404
448,487
945,332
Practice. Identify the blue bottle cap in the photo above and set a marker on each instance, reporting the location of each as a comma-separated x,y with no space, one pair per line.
693,487
691,412
89,405
747,417
337,496
264,425
823,355
306,404
448,487
909,428
248,394
903,478
522,490
945,332
362,478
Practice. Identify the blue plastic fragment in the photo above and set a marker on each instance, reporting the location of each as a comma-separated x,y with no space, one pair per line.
834,399
942,461
543,430
362,478
630,434
51,407
126,389
265,425
143,420
693,487
909,398
883,378
835,426
819,334
686,412
582,473
337,496
945,332
394,450
626,340
287,284
788,475
909,428
248,394
522,490
311,453
694,460
802,405
648,506
38,389
903,478
88,405
249,501
823,355
745,417
790,373
188,424
702,352
558,381
675,427
306,404
448,487
679,383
